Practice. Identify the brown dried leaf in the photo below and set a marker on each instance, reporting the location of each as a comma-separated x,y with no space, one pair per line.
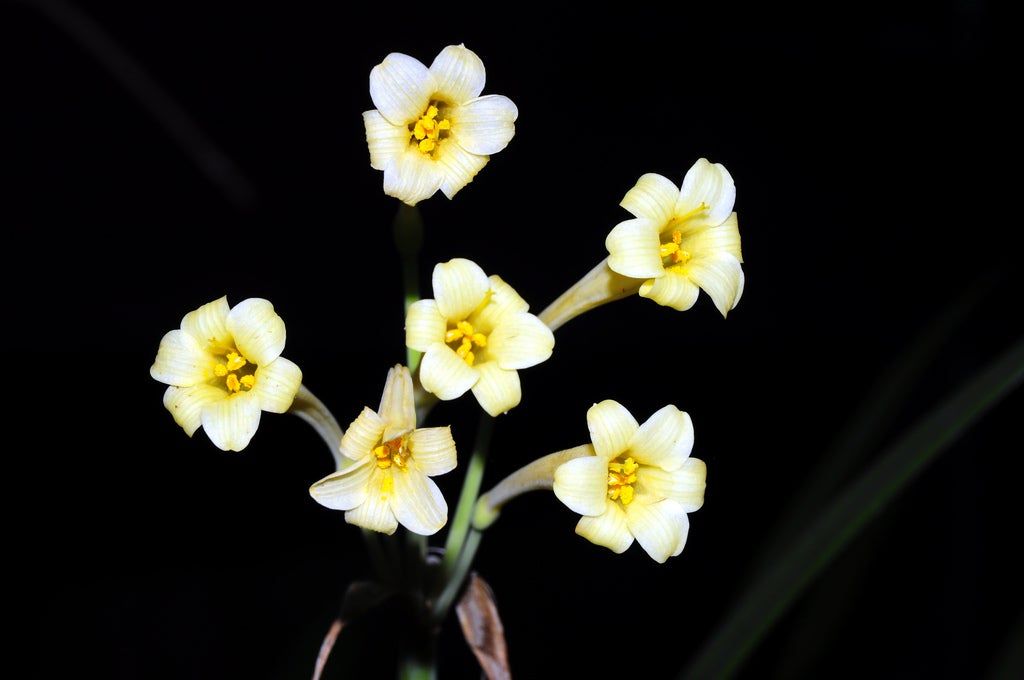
481,626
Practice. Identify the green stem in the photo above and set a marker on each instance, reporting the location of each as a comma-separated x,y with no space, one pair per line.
458,576
467,498
408,239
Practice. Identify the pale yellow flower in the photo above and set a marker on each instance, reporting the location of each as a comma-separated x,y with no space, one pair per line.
640,483
431,129
224,366
389,481
475,334
681,238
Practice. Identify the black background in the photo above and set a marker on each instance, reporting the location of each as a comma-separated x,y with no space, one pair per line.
864,143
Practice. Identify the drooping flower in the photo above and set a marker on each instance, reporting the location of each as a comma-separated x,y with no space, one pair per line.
640,483
224,366
682,239
475,334
431,129
389,481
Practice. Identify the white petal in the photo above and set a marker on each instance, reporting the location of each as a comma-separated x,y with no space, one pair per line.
459,74
521,340
433,450
459,287
181,361
608,530
385,141
685,485
231,422
486,125
258,331
412,176
417,502
653,197
362,435
458,166
424,325
710,184
277,384
582,484
209,325
346,489
503,301
375,511
720,276
443,373
497,390
664,440
611,427
660,528
633,249
725,238
674,290
400,88
186,404
397,404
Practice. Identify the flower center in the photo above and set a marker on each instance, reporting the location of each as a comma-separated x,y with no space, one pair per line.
671,251
238,373
462,338
392,452
621,478
428,131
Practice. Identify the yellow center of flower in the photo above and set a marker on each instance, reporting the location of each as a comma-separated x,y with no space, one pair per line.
621,478
238,373
671,252
463,338
392,452
428,131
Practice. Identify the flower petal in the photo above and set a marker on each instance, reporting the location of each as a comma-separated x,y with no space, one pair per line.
277,384
521,340
503,300
181,361
208,325
346,489
258,331
608,530
460,285
417,503
397,404
433,450
660,528
385,141
458,166
653,197
720,276
582,484
710,184
664,440
186,404
375,511
634,249
444,373
684,486
362,435
459,74
725,238
424,325
674,290
485,125
230,423
611,427
412,176
497,390
400,87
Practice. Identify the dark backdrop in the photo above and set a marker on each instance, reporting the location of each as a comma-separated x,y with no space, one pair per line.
863,142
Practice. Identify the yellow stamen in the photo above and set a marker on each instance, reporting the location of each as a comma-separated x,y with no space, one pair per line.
392,452
479,339
247,381
426,131
668,249
467,337
427,145
220,370
465,327
621,478
452,335
235,361
233,383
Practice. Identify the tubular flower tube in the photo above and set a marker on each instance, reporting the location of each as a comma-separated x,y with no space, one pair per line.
681,239
431,129
388,482
640,483
475,334
224,367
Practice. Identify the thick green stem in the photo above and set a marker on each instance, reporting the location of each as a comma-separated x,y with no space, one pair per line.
408,240
458,575
467,498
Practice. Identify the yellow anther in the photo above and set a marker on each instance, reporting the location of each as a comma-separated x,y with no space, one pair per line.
613,493
452,335
233,383
465,327
235,361
677,237
427,145
626,495
432,113
470,358
220,370
630,466
248,381
427,130
667,249
621,477
480,340
419,132
681,257
464,348
444,125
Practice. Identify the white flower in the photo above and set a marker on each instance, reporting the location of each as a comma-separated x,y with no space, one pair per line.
475,334
681,239
224,366
389,480
432,129
640,482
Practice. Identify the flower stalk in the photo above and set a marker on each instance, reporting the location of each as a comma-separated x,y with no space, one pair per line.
599,286
460,525
310,409
408,229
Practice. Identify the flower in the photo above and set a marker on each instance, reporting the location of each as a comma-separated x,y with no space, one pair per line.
475,334
431,129
681,238
389,479
224,366
640,482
